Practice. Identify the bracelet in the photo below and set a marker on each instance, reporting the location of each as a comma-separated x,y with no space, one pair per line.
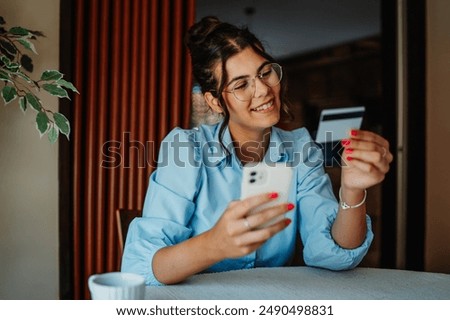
344,205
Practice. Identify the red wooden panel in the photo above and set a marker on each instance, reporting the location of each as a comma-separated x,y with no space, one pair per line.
133,73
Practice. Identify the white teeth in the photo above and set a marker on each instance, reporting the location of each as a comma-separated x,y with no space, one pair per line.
263,107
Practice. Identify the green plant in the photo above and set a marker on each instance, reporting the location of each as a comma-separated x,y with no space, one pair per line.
17,84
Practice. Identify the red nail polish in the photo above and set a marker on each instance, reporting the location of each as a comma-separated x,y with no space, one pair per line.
349,158
345,142
349,150
273,195
354,133
287,222
290,206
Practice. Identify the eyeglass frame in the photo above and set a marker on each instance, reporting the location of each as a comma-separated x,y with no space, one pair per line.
258,75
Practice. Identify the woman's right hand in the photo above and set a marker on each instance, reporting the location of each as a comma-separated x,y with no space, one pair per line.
235,234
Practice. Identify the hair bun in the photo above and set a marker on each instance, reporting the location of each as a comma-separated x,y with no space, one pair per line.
198,33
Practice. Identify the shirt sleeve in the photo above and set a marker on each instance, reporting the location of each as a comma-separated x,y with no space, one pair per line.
318,208
168,207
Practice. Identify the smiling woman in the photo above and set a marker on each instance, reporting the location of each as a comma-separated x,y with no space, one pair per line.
251,106
199,225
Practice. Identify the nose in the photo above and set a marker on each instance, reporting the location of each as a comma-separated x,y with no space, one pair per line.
261,89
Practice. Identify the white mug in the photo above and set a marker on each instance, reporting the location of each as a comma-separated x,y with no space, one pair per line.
116,286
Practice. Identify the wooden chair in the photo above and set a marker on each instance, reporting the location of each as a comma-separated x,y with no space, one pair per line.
124,218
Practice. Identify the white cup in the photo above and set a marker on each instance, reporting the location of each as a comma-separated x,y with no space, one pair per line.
116,286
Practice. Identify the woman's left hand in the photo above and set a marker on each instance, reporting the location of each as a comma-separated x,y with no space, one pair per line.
365,160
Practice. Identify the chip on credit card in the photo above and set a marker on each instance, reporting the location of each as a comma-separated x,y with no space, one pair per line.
336,123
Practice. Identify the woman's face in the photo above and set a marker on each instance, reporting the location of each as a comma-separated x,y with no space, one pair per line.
262,110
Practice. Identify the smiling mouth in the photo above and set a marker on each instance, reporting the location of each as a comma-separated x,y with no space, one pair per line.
265,107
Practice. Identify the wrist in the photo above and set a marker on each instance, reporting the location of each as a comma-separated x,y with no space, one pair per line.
212,250
351,198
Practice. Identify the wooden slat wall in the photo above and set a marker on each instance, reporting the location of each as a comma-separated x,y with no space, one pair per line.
133,72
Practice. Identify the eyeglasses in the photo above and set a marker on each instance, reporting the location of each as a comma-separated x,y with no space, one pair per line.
244,88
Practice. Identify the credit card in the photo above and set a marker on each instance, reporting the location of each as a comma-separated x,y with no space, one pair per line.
336,123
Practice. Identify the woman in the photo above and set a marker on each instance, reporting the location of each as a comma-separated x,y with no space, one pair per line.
192,221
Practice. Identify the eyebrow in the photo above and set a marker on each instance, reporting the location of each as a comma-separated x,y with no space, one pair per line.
247,76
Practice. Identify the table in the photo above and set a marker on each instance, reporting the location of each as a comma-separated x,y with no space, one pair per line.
307,283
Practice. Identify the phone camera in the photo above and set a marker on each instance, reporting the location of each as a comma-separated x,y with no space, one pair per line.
252,180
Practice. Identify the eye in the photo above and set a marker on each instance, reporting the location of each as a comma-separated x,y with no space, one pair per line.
240,85
265,73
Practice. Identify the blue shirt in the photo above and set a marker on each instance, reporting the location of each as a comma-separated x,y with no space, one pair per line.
196,180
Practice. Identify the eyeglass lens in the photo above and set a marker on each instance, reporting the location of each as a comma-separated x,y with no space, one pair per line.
270,75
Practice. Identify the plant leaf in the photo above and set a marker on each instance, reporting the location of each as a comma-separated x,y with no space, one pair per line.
26,63
42,122
49,75
62,123
13,67
33,101
5,59
67,84
19,31
23,103
8,47
4,76
37,33
24,76
53,134
55,90
9,94
28,45
6,53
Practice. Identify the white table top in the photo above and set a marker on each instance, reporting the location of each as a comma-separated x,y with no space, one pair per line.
306,283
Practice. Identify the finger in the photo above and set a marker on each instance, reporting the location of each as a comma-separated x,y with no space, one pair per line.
375,158
366,167
243,207
249,249
363,135
261,235
267,214
388,155
364,145
368,140
352,146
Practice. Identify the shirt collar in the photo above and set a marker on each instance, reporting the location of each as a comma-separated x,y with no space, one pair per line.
278,150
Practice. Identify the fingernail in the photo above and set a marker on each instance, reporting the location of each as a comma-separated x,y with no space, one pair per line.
287,222
349,150
345,142
273,195
290,206
349,158
354,133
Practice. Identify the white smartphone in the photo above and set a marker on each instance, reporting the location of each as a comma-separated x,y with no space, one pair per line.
335,123
264,177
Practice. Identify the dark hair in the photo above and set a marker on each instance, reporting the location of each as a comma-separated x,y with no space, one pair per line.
211,41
